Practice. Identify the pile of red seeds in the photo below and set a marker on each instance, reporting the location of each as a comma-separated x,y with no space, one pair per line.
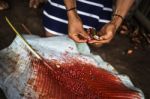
76,79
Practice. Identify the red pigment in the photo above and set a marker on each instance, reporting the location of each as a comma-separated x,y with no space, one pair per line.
76,79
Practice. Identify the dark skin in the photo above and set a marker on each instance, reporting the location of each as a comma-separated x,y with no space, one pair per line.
75,28
3,5
75,25
107,32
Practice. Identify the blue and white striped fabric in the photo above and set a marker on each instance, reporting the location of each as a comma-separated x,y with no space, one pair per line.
94,13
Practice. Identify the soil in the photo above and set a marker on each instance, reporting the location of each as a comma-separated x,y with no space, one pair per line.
136,64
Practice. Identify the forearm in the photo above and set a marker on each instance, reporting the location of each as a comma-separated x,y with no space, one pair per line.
71,4
122,8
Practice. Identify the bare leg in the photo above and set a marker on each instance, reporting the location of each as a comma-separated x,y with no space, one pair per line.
3,5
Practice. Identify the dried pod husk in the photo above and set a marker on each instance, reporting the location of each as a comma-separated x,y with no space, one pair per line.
96,37
93,34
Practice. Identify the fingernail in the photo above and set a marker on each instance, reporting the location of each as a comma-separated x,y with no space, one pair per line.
100,38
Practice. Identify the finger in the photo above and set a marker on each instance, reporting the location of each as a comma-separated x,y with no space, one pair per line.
106,36
37,2
88,31
124,27
100,34
99,41
84,34
30,3
97,44
77,39
33,3
93,41
123,32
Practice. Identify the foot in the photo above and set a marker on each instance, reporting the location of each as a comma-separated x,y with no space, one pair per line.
3,5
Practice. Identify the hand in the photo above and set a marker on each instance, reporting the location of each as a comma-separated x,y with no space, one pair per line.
108,31
3,5
75,29
106,34
35,3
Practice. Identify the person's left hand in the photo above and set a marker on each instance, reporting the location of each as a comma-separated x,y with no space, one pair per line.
106,34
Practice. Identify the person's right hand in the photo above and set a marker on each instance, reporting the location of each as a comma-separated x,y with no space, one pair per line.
75,28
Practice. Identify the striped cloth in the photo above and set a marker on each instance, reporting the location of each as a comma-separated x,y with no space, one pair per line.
94,13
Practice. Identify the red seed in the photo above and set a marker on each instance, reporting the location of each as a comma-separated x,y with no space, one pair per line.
76,79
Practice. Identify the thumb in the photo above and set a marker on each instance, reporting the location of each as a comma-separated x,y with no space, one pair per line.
84,34
107,35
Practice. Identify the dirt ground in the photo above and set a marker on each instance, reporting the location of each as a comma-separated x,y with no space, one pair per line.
135,65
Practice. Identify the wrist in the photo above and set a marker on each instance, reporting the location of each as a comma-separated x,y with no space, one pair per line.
72,14
117,20
73,8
